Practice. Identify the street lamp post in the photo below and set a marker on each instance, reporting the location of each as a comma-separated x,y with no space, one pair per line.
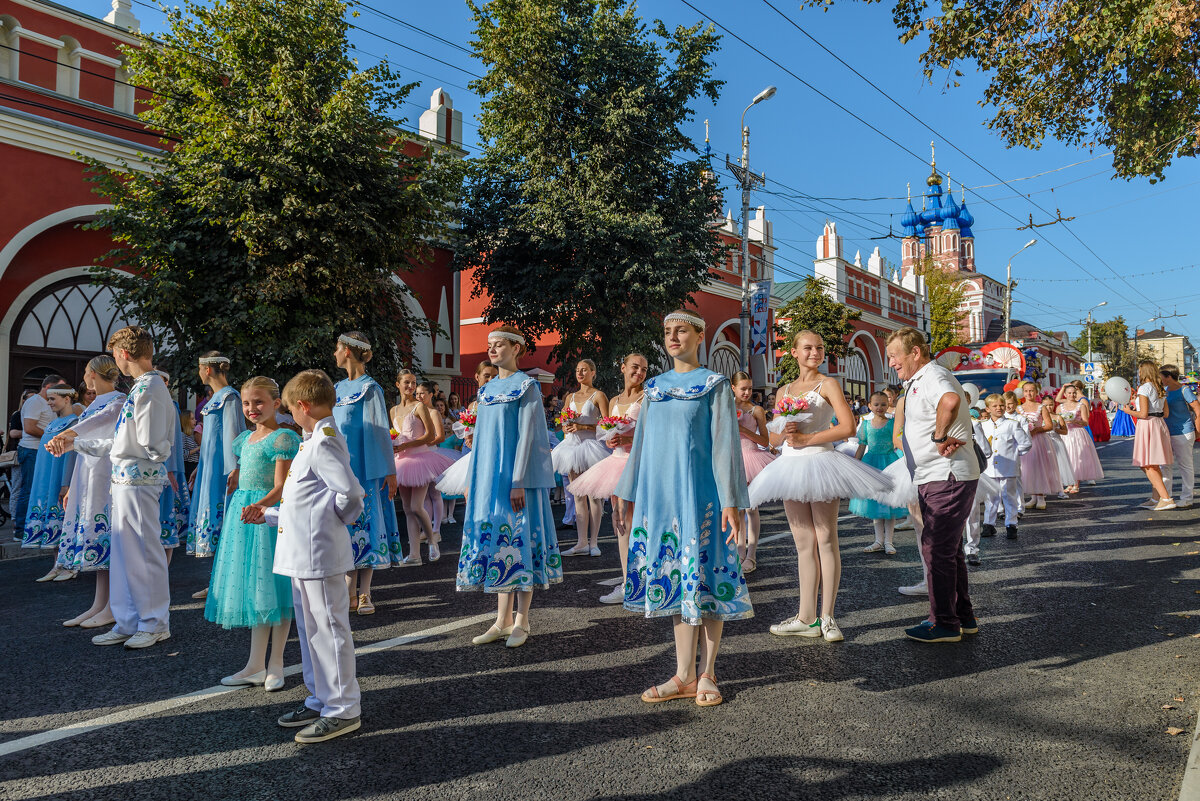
1091,356
1009,290
747,180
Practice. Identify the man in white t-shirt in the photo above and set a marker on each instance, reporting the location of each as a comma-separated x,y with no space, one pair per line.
35,416
937,444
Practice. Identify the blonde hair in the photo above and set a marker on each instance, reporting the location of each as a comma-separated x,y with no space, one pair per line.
588,362
995,397
739,377
910,338
807,332
1148,374
361,354
629,356
267,385
700,329
483,365
187,422
1009,395
311,386
133,339
105,367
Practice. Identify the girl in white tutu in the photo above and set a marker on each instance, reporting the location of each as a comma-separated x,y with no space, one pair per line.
601,479
810,477
579,450
756,454
418,464
457,479
435,506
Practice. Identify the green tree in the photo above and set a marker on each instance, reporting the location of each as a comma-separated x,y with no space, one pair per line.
1123,76
589,213
816,310
1110,338
945,294
282,205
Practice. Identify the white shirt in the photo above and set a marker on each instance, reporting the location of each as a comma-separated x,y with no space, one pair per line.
1008,439
921,398
144,435
1155,401
36,408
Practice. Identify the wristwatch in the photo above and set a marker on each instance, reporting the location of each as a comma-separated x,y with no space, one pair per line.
934,439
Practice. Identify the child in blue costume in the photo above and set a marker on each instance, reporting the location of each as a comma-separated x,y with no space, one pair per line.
174,503
51,476
509,545
245,593
362,419
876,449
686,487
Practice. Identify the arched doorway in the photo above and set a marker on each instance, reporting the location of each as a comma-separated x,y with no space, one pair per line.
58,330
725,359
857,381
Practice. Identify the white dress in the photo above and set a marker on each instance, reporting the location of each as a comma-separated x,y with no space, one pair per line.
580,450
817,473
86,540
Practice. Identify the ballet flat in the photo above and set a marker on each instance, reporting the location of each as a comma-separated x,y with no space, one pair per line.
492,634
95,622
253,680
201,595
273,683
66,575
51,576
517,638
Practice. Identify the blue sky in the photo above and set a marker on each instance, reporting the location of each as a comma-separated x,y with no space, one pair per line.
806,144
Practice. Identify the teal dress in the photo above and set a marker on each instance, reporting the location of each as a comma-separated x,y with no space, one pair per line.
44,520
244,590
879,454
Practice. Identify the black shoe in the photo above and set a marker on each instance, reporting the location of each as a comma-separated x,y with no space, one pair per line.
974,560
326,729
970,625
302,716
988,530
931,632
1010,532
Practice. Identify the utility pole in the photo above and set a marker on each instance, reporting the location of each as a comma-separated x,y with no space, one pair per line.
1090,355
1009,285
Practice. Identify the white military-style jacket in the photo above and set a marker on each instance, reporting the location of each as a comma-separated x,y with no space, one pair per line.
320,498
1009,439
140,443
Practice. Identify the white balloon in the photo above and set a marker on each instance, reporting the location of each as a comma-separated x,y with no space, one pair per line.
972,391
1118,389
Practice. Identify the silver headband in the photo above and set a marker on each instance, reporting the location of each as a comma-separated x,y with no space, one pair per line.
60,391
509,335
345,339
214,360
684,317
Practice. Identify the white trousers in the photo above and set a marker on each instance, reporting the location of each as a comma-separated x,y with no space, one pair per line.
326,646
1009,497
139,591
1182,446
973,530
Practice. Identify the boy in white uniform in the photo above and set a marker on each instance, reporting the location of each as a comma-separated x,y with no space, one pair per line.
139,589
320,498
1009,438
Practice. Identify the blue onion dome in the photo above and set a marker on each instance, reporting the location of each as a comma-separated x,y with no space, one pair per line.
910,220
965,219
932,215
950,215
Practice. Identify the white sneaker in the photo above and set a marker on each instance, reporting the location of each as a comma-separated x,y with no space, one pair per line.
916,589
144,639
112,637
617,596
450,520
1165,504
795,627
830,630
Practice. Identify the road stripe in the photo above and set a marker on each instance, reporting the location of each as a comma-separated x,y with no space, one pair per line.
156,707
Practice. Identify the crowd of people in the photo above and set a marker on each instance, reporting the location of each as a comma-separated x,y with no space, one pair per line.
293,492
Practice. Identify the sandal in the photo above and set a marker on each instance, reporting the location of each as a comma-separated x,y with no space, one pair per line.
365,607
353,603
749,566
652,696
710,701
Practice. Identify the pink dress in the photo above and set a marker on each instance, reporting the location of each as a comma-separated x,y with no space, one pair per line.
1151,440
754,458
416,467
1080,448
599,480
1039,467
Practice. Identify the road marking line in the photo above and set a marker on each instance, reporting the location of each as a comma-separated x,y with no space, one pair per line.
155,707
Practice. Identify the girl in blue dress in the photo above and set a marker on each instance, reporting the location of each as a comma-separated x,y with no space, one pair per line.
212,482
51,476
685,486
362,418
875,434
509,545
244,592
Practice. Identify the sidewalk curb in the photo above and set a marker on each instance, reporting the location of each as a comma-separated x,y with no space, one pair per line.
1190,789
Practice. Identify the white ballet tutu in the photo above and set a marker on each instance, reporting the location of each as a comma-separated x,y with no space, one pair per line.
422,465
457,478
817,474
904,491
576,454
848,447
599,480
754,459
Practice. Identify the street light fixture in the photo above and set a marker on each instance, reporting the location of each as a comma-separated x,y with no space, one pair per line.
748,181
1008,294
1091,356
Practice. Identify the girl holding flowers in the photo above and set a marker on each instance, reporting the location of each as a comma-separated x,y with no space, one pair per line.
756,454
579,450
1081,447
418,464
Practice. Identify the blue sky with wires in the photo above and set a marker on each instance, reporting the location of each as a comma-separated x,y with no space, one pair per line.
835,147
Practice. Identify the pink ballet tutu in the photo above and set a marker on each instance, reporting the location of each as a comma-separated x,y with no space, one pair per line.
1039,468
599,480
754,459
1082,451
1152,443
422,465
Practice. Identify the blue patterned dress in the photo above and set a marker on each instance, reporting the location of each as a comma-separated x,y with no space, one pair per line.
879,454
244,591
684,467
503,551
362,418
44,520
223,421
172,505
86,540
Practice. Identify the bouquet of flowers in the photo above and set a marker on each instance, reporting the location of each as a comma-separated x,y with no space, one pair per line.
609,427
465,424
788,410
566,416
1067,416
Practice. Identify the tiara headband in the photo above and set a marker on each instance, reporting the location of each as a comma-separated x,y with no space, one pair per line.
60,391
684,317
214,360
509,335
346,339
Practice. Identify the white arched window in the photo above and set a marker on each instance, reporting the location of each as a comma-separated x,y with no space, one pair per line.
857,379
75,316
725,359
67,77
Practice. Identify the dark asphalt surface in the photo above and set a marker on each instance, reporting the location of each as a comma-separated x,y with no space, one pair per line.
1086,633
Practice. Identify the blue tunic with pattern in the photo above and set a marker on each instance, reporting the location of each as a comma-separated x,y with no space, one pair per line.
361,416
44,520
684,467
223,421
173,506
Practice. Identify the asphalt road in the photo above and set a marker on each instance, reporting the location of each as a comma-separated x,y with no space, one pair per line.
1087,627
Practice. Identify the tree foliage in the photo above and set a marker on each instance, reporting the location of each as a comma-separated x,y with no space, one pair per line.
578,218
945,293
816,310
281,207
1123,75
1110,338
